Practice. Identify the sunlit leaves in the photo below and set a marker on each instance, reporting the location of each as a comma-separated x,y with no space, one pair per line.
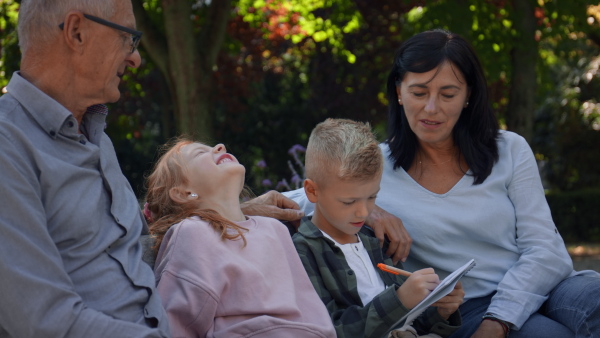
325,22
9,49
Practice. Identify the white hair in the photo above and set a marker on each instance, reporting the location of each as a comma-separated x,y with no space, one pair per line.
39,19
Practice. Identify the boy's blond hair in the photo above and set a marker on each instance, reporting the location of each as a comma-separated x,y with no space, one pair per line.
346,149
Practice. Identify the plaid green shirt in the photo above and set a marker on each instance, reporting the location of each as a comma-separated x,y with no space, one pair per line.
335,283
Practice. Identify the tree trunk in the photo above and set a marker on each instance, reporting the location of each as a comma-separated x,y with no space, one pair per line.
186,56
524,55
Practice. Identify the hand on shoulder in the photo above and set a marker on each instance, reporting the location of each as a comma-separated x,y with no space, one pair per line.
387,225
273,204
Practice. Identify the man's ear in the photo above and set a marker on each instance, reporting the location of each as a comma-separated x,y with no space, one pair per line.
179,195
311,190
73,30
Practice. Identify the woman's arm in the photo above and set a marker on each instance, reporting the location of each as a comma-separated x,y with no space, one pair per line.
544,260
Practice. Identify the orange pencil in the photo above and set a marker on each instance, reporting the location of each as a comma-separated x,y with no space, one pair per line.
393,270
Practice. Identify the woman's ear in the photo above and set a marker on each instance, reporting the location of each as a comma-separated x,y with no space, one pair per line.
180,195
311,190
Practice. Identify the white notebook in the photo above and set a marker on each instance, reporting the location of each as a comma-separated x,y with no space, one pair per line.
445,287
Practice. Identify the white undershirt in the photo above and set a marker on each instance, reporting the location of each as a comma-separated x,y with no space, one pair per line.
368,281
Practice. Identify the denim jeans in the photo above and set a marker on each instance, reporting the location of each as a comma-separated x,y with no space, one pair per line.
571,310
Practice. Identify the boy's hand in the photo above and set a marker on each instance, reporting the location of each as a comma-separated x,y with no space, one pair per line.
417,287
273,204
450,303
385,224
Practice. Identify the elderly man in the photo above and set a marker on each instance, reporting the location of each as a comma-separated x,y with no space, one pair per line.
70,261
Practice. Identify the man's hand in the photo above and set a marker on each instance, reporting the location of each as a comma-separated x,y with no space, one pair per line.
489,329
386,224
273,204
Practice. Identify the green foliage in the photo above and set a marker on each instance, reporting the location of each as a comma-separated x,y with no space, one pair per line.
325,22
567,130
10,55
287,65
576,214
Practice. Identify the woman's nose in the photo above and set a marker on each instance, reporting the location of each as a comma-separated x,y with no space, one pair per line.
431,105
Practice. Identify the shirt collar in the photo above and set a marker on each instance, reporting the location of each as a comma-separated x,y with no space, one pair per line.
308,229
46,111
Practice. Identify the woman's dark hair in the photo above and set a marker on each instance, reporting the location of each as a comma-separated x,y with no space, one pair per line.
475,132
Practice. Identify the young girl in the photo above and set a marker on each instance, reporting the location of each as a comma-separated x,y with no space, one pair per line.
220,273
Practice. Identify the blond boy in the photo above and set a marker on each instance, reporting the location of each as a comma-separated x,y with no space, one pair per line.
343,168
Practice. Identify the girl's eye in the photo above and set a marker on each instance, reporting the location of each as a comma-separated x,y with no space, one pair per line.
348,203
373,197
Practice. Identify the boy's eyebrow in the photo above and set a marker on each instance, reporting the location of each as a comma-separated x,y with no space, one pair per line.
357,198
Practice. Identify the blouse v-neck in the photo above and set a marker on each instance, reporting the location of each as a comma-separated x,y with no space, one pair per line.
455,187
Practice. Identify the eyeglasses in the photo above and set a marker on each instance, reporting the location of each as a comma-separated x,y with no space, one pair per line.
136,36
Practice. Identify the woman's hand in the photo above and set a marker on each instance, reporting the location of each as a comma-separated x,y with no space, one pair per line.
386,224
489,329
447,305
273,204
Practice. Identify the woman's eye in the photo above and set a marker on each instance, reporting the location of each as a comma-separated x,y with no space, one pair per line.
419,94
348,203
448,96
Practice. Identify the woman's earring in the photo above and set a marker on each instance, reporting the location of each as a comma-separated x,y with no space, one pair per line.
400,101
466,104
194,195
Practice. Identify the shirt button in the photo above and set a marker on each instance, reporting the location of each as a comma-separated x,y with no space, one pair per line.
70,124
350,272
82,142
52,133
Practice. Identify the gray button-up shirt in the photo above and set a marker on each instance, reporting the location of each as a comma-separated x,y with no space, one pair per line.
70,261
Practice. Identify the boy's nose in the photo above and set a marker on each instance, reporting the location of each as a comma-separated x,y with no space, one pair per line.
362,211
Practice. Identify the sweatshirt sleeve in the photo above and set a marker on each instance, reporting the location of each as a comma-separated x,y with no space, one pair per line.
190,307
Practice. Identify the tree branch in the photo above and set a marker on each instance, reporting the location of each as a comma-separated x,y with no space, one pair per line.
153,41
213,34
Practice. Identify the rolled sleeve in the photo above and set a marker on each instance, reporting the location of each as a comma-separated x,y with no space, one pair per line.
543,260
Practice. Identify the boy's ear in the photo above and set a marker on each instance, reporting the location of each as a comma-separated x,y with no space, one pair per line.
179,195
311,190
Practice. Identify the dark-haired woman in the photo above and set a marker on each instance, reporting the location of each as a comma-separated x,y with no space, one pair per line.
464,189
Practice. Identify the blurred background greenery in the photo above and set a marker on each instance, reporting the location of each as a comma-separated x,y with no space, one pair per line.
258,75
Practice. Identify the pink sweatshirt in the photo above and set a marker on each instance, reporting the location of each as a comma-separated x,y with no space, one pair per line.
217,288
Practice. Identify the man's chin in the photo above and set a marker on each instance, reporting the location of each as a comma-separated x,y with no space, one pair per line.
114,97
